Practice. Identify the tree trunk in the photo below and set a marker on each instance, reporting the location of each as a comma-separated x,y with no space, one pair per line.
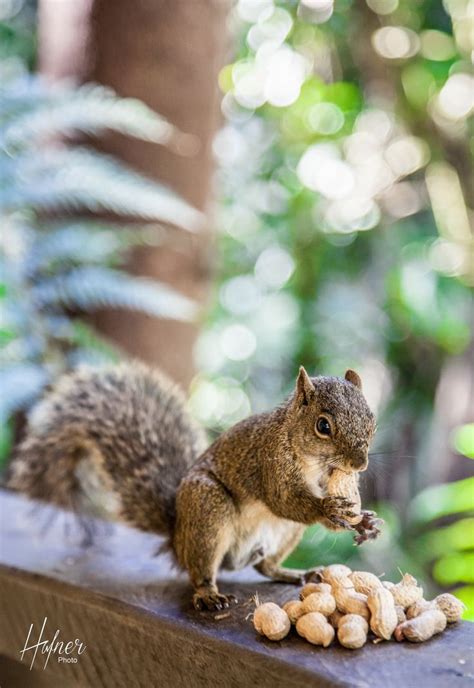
168,54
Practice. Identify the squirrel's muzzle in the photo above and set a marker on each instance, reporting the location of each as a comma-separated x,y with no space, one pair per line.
359,461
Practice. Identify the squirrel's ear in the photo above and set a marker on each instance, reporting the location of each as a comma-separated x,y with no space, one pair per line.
304,388
351,376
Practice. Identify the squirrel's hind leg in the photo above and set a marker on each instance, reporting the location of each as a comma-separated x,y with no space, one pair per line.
203,535
271,566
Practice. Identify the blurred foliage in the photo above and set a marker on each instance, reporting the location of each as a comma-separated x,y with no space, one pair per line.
344,239
463,439
449,549
345,242
58,262
17,36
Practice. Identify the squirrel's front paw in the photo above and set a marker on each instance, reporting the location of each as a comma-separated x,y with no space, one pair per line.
337,510
212,600
368,528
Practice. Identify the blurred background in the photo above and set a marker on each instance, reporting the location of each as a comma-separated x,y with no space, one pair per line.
232,189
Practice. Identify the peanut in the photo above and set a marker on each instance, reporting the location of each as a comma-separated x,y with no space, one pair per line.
364,582
352,631
271,621
383,620
422,627
418,608
294,609
342,484
314,587
406,592
335,617
315,628
401,616
319,602
451,606
348,600
335,571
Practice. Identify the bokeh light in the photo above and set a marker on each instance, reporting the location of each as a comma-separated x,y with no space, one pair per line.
274,267
456,99
383,6
395,42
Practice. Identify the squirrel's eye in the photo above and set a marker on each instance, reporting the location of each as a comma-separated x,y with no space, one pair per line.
323,427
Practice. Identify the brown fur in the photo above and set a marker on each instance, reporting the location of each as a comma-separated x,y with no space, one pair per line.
129,424
274,460
245,500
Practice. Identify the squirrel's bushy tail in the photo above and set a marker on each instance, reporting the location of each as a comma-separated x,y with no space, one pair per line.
116,440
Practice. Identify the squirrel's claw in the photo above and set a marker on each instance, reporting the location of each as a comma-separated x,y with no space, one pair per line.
337,509
342,522
212,601
366,535
369,528
313,575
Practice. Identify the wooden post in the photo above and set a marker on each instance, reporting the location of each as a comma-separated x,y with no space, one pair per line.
167,53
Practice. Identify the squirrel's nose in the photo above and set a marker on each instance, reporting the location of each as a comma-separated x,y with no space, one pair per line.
359,462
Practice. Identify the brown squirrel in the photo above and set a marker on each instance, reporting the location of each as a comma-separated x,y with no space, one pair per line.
119,442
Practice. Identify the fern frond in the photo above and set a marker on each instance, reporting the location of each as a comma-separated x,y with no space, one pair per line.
20,384
75,243
89,243
50,267
19,349
20,95
79,178
90,109
89,356
92,288
86,338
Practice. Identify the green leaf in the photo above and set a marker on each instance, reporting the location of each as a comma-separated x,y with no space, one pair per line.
419,84
86,337
344,95
6,441
455,568
463,440
442,500
225,78
455,537
466,595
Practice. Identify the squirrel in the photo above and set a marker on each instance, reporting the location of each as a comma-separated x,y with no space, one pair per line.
118,442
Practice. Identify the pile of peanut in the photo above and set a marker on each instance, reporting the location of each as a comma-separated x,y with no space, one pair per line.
353,603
